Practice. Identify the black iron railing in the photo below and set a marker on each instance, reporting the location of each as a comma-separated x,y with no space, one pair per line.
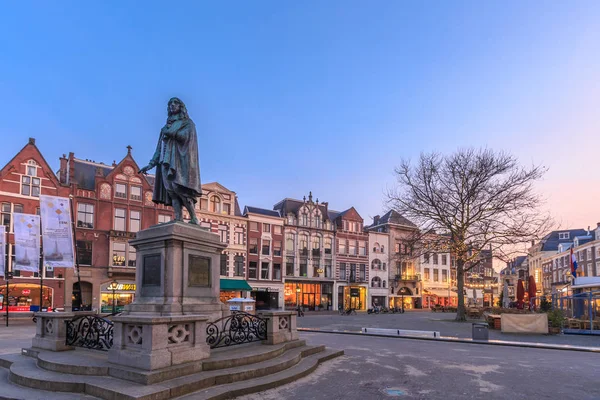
91,332
237,328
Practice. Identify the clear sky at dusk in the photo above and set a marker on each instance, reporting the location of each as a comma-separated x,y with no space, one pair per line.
315,95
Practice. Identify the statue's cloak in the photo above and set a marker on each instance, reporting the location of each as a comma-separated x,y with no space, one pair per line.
181,156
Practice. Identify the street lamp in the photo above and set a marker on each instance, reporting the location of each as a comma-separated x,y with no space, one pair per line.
298,290
113,287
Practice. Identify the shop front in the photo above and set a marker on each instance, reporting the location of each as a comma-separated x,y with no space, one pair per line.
405,298
114,296
439,297
25,297
233,288
266,297
354,297
311,296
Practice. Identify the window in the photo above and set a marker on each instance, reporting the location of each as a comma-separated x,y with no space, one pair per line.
119,219
121,190
205,225
264,270
444,275
223,265
328,269
277,248
327,245
316,268
362,249
352,272
362,269
342,246
203,204
226,208
31,169
136,193
376,264
238,263
289,242
85,216
253,247
131,257
444,259
588,271
239,235
436,275
223,233
376,282
163,219
277,229
589,254
316,246
252,266
84,252
435,259
134,221
304,220
276,272
5,216
30,186
291,219
254,226
427,274
303,267
383,251
384,283
118,259
215,204
343,271
352,248
304,244
267,228
289,266
266,247
563,235
397,247
384,266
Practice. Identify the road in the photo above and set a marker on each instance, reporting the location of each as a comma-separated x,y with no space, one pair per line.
386,368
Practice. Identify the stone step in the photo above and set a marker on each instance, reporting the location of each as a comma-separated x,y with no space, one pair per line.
10,391
232,390
25,371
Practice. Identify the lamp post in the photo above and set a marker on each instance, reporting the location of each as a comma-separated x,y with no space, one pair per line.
113,287
298,290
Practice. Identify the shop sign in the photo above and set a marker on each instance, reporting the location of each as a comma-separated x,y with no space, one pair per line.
120,234
122,286
320,270
354,292
234,308
26,292
248,308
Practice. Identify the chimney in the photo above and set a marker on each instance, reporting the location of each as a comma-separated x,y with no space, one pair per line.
32,141
597,224
62,173
376,220
99,172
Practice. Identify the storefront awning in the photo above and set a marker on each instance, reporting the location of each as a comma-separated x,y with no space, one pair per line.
439,293
235,285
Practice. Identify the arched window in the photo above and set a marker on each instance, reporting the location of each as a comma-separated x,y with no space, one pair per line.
384,283
375,247
215,204
304,243
376,264
376,282
289,241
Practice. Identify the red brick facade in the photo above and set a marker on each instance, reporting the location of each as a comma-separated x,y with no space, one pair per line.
20,180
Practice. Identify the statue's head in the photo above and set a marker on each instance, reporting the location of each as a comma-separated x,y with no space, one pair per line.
175,107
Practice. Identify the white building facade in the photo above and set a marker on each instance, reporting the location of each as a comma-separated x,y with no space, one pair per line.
378,292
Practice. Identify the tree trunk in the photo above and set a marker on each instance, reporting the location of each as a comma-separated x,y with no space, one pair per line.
461,314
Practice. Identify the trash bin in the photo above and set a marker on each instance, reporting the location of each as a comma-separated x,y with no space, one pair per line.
481,331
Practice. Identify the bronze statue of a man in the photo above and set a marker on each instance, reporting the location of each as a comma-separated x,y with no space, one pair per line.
177,181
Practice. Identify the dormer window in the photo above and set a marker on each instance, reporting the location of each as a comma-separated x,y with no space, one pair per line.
563,235
30,184
215,204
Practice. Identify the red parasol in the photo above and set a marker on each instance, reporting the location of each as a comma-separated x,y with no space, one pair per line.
520,293
532,291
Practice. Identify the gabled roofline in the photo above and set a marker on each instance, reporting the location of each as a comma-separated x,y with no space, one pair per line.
43,159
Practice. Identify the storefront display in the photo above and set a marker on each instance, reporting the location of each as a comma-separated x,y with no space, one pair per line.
353,297
123,294
25,297
310,296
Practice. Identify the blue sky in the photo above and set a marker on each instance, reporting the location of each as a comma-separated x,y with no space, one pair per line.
324,96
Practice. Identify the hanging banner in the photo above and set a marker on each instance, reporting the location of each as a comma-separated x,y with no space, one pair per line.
27,242
57,234
2,249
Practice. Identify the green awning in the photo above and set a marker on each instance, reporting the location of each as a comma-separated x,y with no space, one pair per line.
235,285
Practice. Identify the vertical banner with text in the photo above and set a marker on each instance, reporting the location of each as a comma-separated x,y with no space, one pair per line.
57,233
2,249
27,242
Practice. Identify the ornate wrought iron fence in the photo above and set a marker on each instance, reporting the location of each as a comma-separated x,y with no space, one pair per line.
237,328
91,332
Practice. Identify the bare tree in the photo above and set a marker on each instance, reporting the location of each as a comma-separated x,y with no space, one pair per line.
477,199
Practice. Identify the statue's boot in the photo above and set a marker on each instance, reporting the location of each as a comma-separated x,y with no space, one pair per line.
189,205
177,208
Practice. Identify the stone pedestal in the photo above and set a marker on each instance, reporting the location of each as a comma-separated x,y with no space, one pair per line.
177,271
51,331
177,292
281,326
151,343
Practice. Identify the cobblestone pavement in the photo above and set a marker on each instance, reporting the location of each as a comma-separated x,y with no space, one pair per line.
429,321
16,336
384,368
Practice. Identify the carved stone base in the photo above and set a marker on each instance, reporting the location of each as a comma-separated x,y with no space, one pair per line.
51,331
281,326
154,342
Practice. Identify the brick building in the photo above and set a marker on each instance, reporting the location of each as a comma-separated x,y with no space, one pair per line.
352,260
265,257
22,180
112,203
